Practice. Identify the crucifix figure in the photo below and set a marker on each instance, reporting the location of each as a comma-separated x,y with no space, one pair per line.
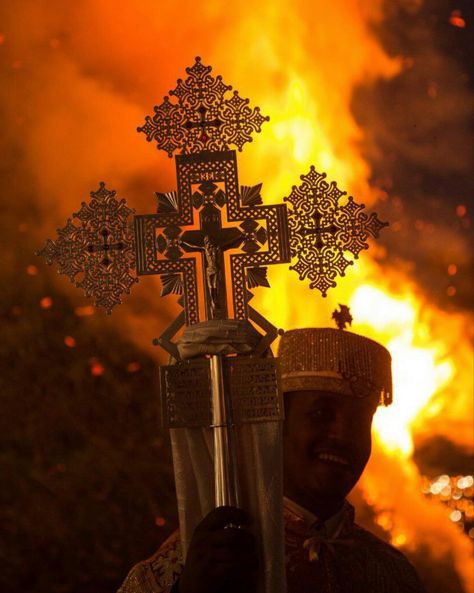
213,263
224,412
213,253
212,241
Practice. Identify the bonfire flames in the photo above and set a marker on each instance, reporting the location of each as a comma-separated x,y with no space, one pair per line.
303,70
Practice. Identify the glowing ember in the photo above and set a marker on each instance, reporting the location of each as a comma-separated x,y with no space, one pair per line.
46,302
433,90
452,269
84,311
32,270
133,367
59,468
70,341
96,368
160,521
457,20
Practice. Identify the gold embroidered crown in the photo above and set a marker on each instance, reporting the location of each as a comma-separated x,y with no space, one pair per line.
333,360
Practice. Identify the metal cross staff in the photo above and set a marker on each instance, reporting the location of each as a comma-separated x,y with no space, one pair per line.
315,233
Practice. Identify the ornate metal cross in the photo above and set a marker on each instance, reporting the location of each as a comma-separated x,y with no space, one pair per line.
84,254
316,232
322,231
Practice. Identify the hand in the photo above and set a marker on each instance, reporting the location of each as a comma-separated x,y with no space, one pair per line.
218,336
220,559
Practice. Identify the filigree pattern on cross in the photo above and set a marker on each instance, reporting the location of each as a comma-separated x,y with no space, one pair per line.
255,234
209,225
97,254
202,118
322,231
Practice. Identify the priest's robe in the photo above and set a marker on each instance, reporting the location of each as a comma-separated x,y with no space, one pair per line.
335,556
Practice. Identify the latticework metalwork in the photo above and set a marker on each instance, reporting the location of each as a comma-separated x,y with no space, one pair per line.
202,117
97,254
209,189
235,237
254,391
322,231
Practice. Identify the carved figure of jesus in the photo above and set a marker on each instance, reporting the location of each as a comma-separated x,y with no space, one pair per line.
212,252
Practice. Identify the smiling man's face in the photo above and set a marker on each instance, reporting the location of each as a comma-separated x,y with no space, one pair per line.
327,443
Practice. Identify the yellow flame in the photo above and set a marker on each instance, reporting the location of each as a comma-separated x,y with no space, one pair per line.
419,371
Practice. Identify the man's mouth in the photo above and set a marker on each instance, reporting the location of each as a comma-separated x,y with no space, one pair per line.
332,458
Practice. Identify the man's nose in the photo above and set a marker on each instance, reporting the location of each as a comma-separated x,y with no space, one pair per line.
339,426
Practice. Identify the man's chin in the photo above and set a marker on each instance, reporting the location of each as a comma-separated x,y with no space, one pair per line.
332,479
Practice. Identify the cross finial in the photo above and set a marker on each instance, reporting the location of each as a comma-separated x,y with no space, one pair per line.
323,231
203,117
342,317
313,230
96,248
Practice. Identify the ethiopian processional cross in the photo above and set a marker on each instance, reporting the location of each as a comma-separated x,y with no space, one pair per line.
213,227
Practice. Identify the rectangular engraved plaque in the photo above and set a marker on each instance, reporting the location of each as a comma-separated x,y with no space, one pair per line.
186,394
254,389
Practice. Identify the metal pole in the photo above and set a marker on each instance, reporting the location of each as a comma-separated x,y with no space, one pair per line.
227,490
